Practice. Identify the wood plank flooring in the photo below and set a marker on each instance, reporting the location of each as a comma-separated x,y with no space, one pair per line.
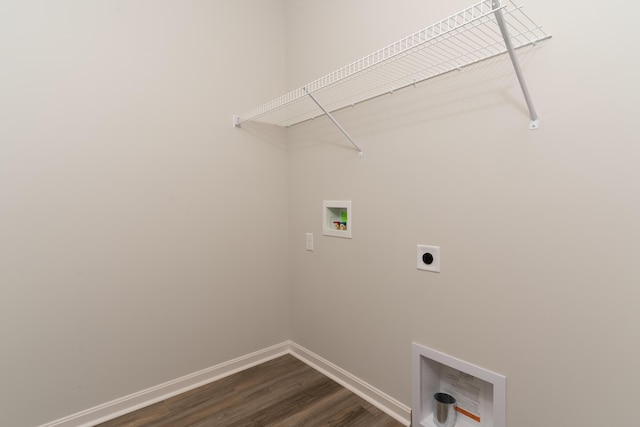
280,392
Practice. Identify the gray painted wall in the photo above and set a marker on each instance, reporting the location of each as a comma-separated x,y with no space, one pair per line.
538,229
128,203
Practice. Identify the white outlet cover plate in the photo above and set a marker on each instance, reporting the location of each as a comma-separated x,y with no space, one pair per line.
435,252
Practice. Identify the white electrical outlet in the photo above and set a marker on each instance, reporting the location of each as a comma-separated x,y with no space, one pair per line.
429,258
309,241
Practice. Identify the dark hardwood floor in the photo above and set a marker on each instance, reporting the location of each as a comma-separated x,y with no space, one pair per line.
280,392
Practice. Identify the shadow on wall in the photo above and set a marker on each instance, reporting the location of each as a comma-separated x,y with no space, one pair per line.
459,93
266,133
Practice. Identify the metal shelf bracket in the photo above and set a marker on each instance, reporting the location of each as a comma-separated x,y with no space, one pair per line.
328,114
534,123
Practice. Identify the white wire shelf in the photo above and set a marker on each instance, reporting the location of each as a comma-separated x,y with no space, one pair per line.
468,37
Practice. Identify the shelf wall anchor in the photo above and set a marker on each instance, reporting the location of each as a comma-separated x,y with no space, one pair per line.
328,114
534,123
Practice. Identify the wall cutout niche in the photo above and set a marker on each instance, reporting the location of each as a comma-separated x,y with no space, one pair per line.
480,394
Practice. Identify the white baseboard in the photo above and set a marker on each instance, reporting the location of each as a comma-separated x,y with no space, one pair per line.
135,401
124,405
384,402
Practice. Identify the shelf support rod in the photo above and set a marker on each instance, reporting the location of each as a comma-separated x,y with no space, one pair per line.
344,132
534,123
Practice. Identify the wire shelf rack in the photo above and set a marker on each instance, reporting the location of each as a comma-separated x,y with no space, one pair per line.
467,37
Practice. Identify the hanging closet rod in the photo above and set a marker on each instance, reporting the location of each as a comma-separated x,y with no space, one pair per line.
485,30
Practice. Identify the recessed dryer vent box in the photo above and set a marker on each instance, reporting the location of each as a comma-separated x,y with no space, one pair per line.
337,220
480,394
